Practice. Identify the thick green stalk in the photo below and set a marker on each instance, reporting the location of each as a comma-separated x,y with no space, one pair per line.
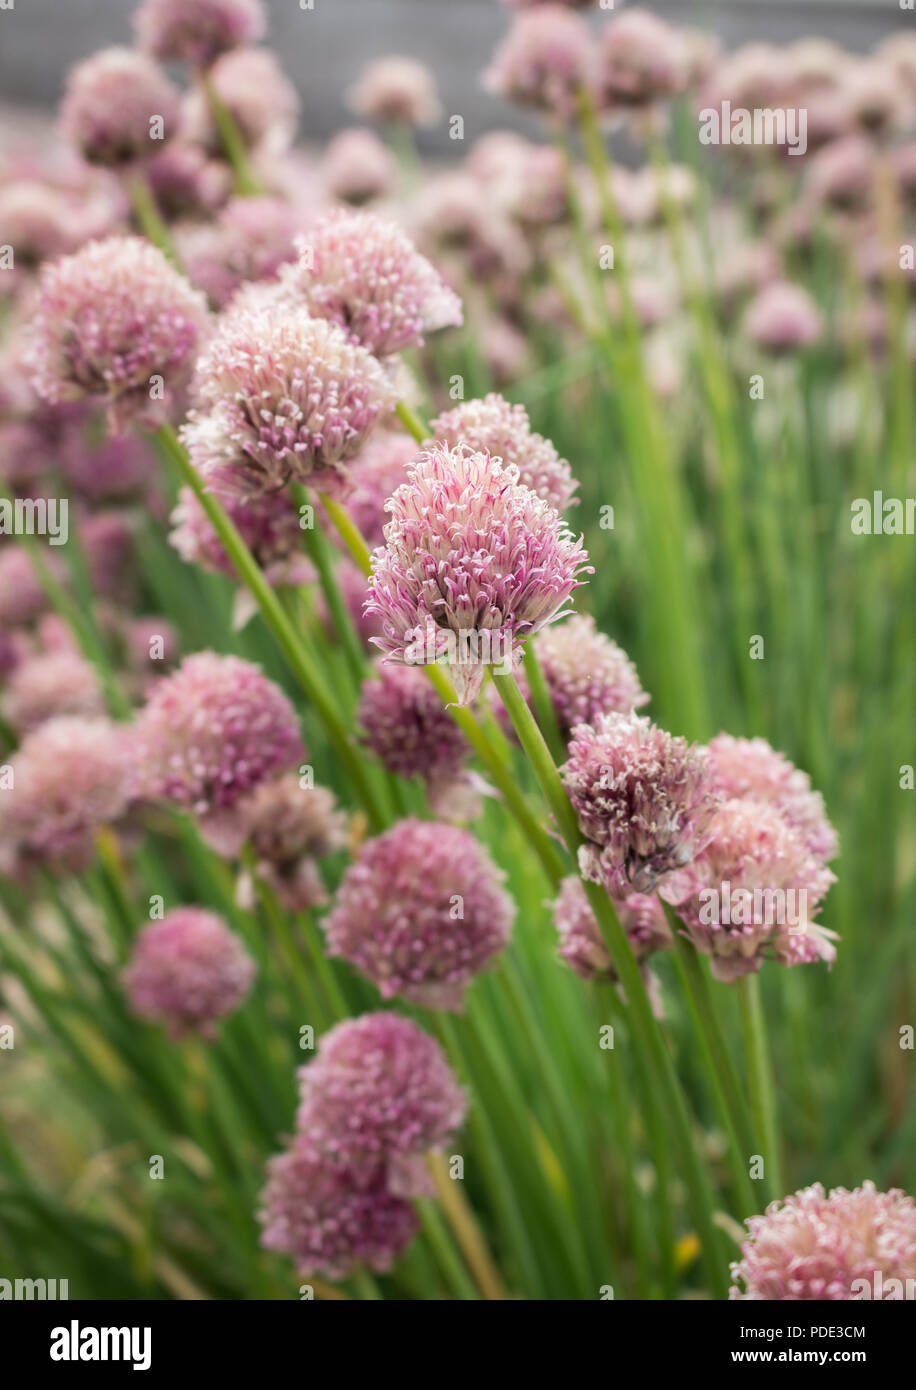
320,556
277,620
246,185
648,1035
412,422
543,705
148,216
763,1097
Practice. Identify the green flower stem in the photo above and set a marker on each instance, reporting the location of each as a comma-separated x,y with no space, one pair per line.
447,1257
647,1033
412,422
763,1098
277,620
246,185
543,705
340,1007
148,216
320,556
359,551
280,928
727,1085
467,1232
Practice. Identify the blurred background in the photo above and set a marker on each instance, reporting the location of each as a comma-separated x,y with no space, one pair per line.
324,49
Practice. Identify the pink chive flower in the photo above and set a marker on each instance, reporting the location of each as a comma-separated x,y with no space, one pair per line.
544,60
755,891
841,175
376,472
330,1220
186,183
396,90
643,799
407,727
749,769
283,396
641,60
473,565
834,1246
268,524
586,673
290,828
51,684
208,734
117,469
357,167
497,427
259,96
108,541
421,911
200,32
364,274
187,971
581,943
118,108
783,317
380,1091
69,778
115,323
251,239
37,221
22,599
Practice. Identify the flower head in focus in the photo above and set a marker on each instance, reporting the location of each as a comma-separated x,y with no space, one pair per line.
643,799
841,1245
119,107
473,564
364,274
421,911
283,395
749,769
188,970
504,430
115,323
197,31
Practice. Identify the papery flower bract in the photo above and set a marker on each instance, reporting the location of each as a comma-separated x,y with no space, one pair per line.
357,167
581,943
782,317
749,769
119,107
197,31
69,779
364,274
544,60
755,890
640,60
398,90
835,1246
50,684
504,430
283,395
186,971
421,911
289,828
643,799
473,565
380,1091
113,322
326,1220
208,734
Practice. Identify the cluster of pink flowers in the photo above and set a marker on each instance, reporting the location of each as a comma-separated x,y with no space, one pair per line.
421,911
378,1096
473,564
186,971
197,33
831,1246
208,734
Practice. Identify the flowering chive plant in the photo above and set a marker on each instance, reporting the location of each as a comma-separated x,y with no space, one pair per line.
456,654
